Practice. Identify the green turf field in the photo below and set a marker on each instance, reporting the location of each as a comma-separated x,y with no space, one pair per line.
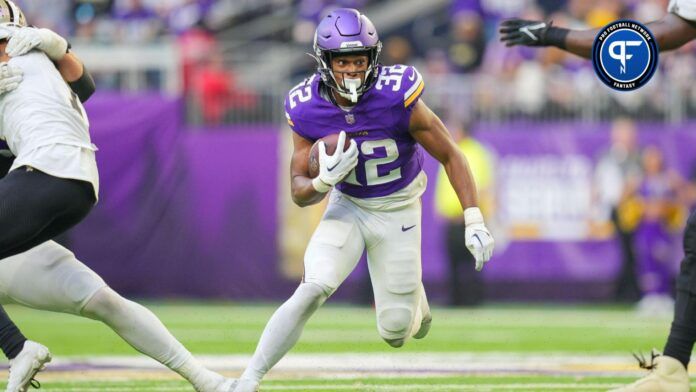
495,348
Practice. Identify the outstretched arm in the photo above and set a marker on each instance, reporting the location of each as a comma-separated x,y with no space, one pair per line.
670,32
432,134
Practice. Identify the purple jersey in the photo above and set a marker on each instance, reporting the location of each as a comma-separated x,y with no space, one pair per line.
389,157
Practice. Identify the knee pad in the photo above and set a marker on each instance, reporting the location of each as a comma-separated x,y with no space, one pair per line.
104,302
395,324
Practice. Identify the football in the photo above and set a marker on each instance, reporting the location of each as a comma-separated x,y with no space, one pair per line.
331,141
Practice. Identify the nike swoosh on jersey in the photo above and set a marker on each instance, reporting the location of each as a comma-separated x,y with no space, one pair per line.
412,77
407,228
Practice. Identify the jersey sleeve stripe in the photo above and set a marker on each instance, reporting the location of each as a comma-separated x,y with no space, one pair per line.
290,122
416,94
415,86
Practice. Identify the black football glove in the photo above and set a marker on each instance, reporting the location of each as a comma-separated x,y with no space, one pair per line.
525,32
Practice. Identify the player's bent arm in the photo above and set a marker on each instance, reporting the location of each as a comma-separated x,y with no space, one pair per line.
74,72
301,188
429,131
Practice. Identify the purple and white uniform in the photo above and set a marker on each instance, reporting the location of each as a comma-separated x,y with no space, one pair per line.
390,159
376,207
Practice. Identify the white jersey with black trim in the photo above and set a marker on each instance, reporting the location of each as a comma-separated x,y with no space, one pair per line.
684,8
45,125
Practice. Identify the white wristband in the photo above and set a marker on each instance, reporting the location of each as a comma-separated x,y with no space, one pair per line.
472,215
320,186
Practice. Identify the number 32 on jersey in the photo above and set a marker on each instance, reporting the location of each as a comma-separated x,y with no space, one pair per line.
371,167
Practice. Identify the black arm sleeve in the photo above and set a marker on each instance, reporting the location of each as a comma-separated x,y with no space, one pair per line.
84,86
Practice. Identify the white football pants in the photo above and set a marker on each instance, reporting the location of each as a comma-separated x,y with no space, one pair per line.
393,243
392,239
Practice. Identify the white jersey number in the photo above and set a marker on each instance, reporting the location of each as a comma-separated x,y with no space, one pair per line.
391,76
372,176
302,93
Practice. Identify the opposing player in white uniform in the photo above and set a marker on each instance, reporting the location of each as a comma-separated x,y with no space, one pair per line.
667,372
50,187
27,357
375,186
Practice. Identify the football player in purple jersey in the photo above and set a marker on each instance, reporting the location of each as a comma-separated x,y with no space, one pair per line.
668,372
375,185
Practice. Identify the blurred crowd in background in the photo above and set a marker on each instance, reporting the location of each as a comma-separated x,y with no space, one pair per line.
454,43
647,202
634,188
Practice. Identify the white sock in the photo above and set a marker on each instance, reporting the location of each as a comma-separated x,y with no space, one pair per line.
284,329
140,328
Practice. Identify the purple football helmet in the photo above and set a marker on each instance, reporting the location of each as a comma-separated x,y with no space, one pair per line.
342,32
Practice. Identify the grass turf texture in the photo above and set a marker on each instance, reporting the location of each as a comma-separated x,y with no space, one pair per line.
235,328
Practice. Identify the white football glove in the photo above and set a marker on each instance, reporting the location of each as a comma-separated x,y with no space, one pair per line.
10,77
478,239
25,39
334,168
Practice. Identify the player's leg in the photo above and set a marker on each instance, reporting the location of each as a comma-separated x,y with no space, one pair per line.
11,338
140,328
682,335
29,202
670,374
395,268
26,357
427,317
332,253
49,277
35,206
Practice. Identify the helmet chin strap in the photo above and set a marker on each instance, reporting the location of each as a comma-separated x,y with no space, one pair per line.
352,85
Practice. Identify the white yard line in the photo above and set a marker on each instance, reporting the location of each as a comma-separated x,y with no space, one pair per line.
368,364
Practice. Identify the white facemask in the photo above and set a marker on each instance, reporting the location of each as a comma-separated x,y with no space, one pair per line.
352,85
